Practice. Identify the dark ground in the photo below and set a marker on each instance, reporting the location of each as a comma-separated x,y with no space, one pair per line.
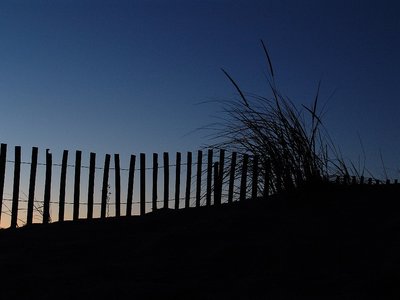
336,243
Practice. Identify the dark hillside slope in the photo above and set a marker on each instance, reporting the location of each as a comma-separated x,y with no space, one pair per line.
327,243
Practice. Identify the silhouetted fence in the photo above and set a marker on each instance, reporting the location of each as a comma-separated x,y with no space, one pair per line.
213,182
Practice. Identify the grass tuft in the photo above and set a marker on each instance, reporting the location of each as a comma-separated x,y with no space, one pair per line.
292,143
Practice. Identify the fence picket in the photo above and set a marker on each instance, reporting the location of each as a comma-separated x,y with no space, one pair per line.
15,199
155,179
142,184
32,184
166,179
131,179
77,183
104,192
3,157
243,180
188,179
232,177
254,180
92,168
63,178
209,176
198,177
216,183
117,170
177,179
47,188
220,175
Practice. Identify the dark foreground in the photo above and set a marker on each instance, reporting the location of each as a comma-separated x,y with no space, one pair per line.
337,243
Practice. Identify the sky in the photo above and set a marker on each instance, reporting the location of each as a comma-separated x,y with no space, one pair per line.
132,76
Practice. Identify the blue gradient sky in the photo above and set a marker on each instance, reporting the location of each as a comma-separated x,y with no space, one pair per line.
127,76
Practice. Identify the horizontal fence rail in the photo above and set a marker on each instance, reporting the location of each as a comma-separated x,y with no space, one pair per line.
208,179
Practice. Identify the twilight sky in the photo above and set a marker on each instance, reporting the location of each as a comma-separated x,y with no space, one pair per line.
128,76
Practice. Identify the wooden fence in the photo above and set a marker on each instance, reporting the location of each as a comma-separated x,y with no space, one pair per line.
206,182
212,181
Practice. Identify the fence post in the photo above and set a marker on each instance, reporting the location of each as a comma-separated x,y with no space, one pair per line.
130,185
32,183
155,178
3,156
188,179
92,168
177,179
243,180
63,179
17,172
77,183
216,184
166,179
209,176
117,186
220,175
254,181
142,184
104,192
47,188
232,177
198,182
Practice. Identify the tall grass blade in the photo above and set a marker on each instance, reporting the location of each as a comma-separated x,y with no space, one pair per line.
268,58
237,87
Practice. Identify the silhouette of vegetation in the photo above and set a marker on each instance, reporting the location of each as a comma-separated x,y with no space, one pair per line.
292,143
